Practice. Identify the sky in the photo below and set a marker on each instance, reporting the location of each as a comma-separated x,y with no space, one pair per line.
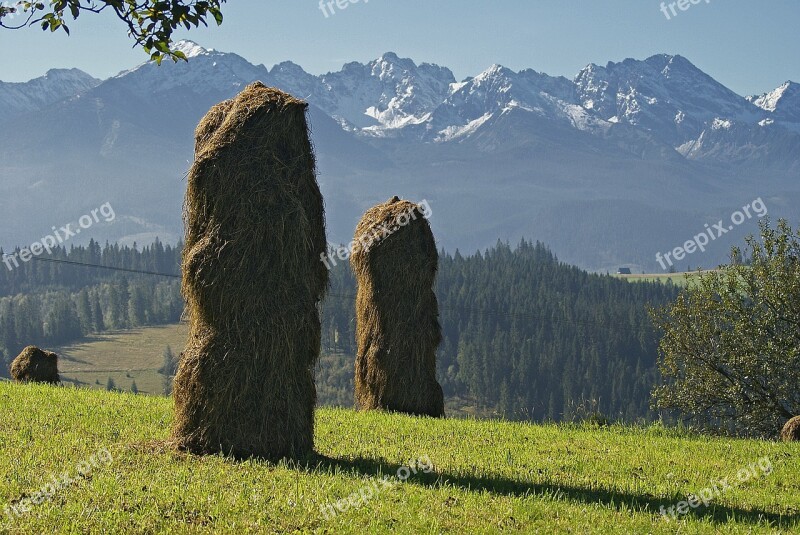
751,47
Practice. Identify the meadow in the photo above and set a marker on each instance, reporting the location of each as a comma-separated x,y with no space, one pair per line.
124,356
456,476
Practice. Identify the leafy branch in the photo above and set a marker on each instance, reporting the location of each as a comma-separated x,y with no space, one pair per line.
149,22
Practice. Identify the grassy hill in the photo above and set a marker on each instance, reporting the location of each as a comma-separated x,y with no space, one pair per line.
125,356
136,355
482,476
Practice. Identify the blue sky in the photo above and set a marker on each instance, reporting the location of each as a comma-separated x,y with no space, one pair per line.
749,46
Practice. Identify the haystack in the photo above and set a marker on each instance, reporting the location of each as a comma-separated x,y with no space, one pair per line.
252,279
791,431
395,261
35,365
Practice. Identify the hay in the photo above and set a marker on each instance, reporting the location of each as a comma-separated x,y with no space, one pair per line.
35,365
397,313
252,279
791,431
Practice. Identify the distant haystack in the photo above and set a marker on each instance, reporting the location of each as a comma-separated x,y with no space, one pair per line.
35,365
395,262
791,431
252,278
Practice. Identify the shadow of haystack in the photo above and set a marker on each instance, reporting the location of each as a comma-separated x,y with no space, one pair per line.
791,431
395,261
35,365
252,278
589,494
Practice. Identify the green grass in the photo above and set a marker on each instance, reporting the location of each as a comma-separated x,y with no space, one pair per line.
487,476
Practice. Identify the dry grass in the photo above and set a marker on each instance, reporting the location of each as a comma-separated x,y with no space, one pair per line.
35,365
791,431
125,356
252,278
397,313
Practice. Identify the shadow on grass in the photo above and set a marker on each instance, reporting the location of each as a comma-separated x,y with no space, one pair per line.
617,500
70,358
72,381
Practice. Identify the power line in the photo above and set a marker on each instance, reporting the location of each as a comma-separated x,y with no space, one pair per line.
73,263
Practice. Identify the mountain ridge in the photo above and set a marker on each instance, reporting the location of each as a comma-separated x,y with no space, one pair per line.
657,141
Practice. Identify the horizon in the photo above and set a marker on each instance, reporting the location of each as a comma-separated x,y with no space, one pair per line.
555,38
401,57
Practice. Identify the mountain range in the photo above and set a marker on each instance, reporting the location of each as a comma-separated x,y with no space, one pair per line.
609,168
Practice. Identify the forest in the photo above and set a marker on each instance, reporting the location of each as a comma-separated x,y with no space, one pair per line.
525,336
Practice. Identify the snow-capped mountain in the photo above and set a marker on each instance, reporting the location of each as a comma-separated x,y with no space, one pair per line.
607,168
666,98
782,104
665,95
385,94
56,85
207,72
499,90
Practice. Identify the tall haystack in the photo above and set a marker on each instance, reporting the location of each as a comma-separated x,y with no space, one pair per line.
35,365
395,261
252,279
791,431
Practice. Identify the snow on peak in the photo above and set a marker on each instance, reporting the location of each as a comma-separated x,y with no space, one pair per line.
781,104
769,101
56,85
190,48
721,124
493,72
660,93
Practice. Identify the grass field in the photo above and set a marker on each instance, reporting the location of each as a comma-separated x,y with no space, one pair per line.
483,476
125,356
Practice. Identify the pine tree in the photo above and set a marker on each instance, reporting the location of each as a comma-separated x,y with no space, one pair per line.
136,308
85,311
97,314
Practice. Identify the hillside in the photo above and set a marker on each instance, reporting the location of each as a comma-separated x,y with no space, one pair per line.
471,476
524,335
123,356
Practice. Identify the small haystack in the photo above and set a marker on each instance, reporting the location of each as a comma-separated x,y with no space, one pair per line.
791,431
35,365
395,261
252,278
